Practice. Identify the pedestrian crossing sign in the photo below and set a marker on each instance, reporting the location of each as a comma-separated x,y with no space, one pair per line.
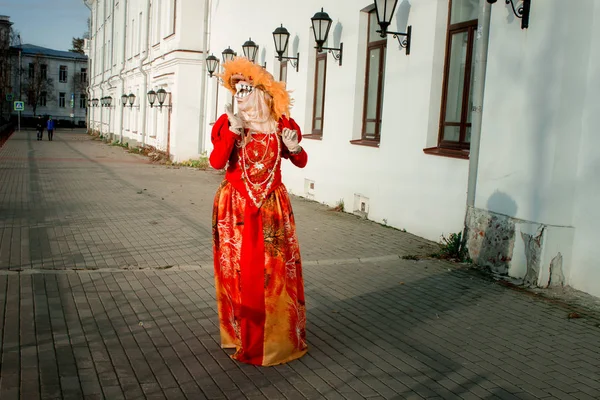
19,106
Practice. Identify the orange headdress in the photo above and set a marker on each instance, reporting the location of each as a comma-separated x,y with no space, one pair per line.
240,68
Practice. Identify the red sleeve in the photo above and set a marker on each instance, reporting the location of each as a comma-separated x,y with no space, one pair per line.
300,159
223,140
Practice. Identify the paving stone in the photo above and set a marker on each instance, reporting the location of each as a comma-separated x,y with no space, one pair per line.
378,326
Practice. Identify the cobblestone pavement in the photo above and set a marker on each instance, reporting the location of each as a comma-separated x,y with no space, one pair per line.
106,291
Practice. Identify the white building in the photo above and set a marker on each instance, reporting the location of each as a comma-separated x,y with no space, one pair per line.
142,45
65,100
389,132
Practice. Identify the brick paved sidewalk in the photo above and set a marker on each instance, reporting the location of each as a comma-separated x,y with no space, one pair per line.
76,217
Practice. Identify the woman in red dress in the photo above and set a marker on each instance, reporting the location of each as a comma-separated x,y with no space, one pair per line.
258,271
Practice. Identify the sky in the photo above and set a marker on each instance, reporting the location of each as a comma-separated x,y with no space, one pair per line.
47,23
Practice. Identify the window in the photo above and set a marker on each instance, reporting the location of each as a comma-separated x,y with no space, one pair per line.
61,100
83,75
44,71
455,116
172,17
374,82
82,101
43,99
319,97
31,70
62,74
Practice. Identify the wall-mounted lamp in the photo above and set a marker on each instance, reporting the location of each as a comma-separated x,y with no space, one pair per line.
281,36
228,54
106,101
250,49
385,12
520,12
321,24
212,63
95,102
131,99
161,94
124,99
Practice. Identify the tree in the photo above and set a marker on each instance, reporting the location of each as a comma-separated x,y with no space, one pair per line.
77,44
8,66
38,87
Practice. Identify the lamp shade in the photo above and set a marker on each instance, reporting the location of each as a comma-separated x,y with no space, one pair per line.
228,54
124,99
108,101
321,24
250,49
131,98
151,97
162,95
281,36
95,102
385,11
211,64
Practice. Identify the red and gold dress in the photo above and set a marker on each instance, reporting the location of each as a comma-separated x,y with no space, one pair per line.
258,271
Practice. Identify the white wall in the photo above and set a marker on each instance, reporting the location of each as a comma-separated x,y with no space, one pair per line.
423,194
540,125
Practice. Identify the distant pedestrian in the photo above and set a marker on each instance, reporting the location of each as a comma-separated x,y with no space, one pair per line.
50,127
39,128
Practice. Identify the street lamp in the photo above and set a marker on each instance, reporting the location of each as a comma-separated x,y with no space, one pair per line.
124,98
151,97
131,99
228,54
321,24
211,63
95,102
281,36
385,12
250,49
108,101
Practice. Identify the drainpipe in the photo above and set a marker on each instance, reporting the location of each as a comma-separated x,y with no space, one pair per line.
481,50
202,114
90,72
110,66
145,73
124,41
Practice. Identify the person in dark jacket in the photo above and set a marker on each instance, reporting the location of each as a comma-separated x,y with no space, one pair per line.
40,128
50,127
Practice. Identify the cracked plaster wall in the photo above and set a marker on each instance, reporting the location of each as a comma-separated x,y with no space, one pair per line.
536,253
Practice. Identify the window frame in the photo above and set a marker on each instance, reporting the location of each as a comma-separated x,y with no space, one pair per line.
60,73
44,71
62,99
320,56
31,73
382,44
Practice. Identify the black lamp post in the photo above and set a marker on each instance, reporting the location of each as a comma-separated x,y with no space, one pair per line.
281,36
211,63
124,98
250,49
321,24
385,11
520,12
228,54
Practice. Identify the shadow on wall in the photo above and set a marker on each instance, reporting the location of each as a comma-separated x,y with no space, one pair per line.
491,233
337,34
402,17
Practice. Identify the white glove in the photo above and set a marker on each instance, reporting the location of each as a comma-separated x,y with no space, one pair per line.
290,139
235,122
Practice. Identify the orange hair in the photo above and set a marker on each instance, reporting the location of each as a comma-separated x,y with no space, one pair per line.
240,68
